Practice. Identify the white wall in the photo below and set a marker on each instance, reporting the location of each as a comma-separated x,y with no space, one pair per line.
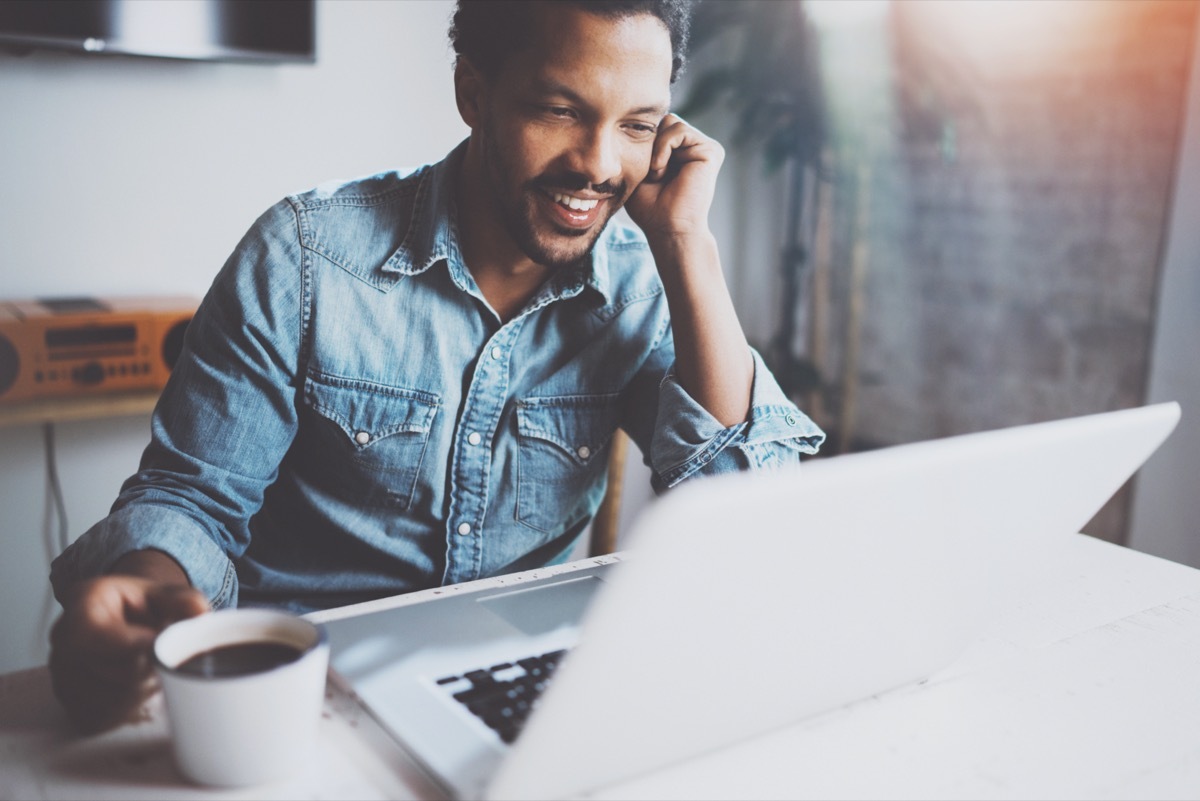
122,175
136,175
126,176
1166,509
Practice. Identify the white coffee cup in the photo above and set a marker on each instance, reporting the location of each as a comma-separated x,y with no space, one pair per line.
240,730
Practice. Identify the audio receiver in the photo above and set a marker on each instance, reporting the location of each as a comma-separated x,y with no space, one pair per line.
63,347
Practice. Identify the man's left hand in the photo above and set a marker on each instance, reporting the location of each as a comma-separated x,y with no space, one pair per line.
674,199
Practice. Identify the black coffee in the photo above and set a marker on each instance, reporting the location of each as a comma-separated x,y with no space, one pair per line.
239,659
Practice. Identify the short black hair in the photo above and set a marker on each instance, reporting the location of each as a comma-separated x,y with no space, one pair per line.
485,32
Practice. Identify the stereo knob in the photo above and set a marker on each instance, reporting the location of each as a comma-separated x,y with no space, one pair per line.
90,374
10,365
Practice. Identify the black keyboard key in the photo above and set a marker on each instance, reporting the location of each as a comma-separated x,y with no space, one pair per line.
533,665
503,696
479,677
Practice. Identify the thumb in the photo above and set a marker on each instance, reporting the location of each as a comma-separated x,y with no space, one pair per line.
169,603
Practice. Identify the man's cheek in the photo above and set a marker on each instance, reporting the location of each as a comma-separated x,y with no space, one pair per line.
640,172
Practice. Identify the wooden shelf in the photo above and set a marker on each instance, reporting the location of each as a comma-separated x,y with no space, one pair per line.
94,407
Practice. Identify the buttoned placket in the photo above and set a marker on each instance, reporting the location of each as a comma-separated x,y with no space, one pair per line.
470,470
471,460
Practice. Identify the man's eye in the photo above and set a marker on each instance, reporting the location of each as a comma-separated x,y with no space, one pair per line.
559,111
642,130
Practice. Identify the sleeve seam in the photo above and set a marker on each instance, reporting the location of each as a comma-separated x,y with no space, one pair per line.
715,446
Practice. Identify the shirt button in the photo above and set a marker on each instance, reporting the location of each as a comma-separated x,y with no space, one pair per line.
584,451
791,420
464,528
474,439
362,437
497,353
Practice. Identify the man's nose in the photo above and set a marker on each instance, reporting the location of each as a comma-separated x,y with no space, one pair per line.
597,157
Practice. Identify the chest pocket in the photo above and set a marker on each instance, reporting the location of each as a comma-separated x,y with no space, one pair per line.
367,441
562,458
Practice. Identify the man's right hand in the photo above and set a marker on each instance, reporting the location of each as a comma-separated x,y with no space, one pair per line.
101,659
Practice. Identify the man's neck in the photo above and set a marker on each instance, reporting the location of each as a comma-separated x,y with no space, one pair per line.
504,274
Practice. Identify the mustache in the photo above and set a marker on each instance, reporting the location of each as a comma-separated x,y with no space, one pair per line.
574,183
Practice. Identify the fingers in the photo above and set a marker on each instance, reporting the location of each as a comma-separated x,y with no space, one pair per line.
99,675
106,617
94,702
678,143
169,603
100,658
113,622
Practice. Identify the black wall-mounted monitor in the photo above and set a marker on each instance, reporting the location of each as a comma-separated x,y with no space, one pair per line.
206,30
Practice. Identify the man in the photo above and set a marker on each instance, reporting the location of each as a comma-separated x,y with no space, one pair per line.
411,380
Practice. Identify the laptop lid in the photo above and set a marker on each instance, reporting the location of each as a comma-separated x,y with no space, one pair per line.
755,600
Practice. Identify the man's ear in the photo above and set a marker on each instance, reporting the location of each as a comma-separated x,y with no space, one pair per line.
468,92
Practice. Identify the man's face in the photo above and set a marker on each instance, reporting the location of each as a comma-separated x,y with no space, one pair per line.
567,128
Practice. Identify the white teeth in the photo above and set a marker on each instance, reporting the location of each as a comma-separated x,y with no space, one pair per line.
574,203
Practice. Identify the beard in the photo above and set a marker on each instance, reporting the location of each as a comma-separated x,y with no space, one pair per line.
543,241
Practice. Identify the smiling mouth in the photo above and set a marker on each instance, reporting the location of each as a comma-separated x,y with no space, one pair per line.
574,213
575,203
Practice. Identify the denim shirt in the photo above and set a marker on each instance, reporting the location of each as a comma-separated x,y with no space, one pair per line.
350,419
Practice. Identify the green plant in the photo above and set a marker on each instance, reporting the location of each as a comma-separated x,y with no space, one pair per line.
762,65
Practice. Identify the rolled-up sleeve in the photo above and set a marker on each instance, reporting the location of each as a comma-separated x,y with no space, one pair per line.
221,427
145,525
688,441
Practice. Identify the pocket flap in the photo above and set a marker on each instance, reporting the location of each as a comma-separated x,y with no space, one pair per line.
580,425
368,412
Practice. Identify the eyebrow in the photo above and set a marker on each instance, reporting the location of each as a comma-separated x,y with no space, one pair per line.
554,88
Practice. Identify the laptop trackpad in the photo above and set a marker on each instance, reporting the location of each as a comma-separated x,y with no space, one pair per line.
537,610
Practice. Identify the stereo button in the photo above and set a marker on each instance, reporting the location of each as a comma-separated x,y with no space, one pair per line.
90,373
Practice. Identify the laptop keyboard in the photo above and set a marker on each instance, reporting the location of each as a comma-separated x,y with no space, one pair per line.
502,696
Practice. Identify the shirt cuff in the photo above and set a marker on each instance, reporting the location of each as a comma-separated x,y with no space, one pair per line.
688,438
141,526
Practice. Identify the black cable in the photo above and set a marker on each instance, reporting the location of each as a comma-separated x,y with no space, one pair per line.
56,492
56,507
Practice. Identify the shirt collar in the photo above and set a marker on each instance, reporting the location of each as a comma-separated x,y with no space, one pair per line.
432,237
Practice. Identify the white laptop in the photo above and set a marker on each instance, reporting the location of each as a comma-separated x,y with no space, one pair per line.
745,603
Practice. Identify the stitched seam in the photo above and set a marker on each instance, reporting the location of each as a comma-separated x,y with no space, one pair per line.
418,427
417,218
569,401
635,245
304,352
361,200
225,594
674,475
342,382
308,242
609,313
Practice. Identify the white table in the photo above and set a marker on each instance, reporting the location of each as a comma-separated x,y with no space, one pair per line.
1090,688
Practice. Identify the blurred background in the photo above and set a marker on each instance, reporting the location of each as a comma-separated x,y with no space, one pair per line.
935,217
